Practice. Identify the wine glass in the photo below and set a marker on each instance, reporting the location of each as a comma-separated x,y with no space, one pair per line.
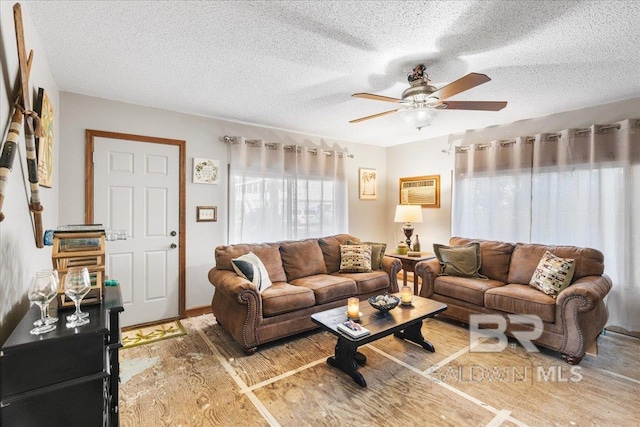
77,284
53,276
41,291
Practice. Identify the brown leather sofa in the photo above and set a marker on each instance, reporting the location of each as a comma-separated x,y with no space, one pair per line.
306,280
572,321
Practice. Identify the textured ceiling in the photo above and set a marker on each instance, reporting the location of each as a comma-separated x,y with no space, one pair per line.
293,65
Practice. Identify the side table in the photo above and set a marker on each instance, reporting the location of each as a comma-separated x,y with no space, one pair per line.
409,264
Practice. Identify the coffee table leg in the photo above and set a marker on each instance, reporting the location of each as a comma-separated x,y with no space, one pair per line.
412,333
347,359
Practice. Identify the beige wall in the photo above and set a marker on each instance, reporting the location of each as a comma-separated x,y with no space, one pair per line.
418,159
203,140
426,158
19,257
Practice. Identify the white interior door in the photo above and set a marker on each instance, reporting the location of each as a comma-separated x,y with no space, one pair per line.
136,189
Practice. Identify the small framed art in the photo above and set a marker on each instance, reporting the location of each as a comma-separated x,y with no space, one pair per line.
206,214
368,184
205,171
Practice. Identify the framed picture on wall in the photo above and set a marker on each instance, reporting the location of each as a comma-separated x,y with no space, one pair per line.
368,184
420,190
206,213
44,145
205,171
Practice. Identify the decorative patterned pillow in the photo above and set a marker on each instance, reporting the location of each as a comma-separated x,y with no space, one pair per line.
251,268
460,261
355,258
377,252
553,274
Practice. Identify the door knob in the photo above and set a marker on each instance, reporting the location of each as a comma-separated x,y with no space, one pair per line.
173,233
173,246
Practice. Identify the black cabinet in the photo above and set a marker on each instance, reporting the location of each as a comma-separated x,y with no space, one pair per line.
67,377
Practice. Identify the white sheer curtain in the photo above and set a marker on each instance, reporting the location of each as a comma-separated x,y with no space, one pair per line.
584,191
493,191
279,192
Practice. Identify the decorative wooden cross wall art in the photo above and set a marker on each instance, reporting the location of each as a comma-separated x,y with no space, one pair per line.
22,109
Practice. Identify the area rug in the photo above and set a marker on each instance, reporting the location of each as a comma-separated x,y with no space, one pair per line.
149,334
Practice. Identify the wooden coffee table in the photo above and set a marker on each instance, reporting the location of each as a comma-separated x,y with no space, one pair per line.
403,321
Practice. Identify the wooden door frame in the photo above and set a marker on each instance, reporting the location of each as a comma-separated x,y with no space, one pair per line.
90,134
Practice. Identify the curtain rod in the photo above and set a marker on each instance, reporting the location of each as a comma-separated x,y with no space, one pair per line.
530,139
586,130
272,145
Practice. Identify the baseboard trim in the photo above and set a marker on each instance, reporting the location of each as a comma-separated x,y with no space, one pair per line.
192,312
144,325
623,331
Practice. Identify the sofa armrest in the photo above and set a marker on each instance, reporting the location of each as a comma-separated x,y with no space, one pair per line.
392,267
237,306
428,270
232,285
580,309
590,289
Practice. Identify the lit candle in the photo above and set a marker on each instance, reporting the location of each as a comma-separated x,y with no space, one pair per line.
406,295
353,308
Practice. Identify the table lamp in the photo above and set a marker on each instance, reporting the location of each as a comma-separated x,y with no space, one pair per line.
408,214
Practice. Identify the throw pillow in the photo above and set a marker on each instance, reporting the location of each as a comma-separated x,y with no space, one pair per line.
553,274
377,252
355,258
251,268
460,261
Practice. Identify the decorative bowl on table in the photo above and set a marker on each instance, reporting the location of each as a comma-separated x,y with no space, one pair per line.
384,302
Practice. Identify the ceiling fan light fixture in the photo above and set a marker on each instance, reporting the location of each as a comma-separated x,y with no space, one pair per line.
418,117
421,101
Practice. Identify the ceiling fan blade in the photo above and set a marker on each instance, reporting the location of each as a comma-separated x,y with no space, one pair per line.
376,97
473,105
361,119
467,82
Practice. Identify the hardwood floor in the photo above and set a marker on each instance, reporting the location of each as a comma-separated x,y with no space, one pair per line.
204,379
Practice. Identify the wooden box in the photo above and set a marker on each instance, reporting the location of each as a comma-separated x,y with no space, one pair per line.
76,248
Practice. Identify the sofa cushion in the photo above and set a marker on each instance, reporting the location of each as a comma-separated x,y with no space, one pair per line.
521,299
459,261
283,297
495,256
368,282
302,258
331,249
526,256
269,254
355,258
327,288
377,252
553,274
251,268
463,288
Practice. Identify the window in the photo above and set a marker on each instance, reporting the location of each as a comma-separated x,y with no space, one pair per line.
287,195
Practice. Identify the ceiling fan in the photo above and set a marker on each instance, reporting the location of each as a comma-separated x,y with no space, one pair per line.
422,100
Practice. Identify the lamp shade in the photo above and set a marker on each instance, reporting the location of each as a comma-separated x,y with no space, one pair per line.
408,213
